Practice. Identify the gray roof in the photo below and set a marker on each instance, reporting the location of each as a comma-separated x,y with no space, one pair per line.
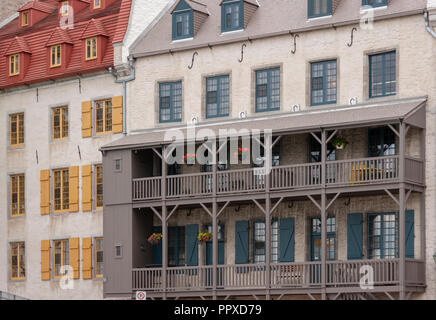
273,17
314,119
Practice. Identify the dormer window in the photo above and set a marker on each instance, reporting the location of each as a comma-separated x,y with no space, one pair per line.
91,48
319,8
97,4
55,56
182,25
232,15
25,18
375,3
14,64
64,8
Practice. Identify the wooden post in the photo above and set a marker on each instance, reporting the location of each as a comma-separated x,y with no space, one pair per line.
164,224
402,212
214,225
323,213
267,169
422,209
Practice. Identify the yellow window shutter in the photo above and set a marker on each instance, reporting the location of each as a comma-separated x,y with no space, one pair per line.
87,258
117,114
86,119
74,257
86,188
45,259
74,189
44,178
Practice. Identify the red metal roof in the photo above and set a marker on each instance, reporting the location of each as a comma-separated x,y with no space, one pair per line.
94,28
59,36
111,21
17,45
38,5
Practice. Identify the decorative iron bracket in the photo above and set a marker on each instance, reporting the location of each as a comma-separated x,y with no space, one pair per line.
193,58
352,37
295,43
242,53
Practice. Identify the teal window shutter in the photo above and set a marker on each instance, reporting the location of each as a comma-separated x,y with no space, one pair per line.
355,236
157,248
287,240
410,234
241,242
192,244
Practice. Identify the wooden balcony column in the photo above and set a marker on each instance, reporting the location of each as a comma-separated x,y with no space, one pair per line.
164,222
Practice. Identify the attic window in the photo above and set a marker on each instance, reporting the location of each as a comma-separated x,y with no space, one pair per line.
232,15
14,65
55,56
25,18
91,48
64,8
319,8
183,25
97,4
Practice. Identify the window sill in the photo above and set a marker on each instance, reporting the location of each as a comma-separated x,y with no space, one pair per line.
16,147
182,40
16,280
17,217
367,8
315,18
225,33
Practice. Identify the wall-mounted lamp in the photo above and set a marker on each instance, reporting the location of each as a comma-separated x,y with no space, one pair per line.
434,257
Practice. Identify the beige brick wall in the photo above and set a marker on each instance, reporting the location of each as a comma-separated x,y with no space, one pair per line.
416,68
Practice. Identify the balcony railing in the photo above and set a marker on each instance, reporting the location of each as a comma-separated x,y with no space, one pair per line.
338,173
283,275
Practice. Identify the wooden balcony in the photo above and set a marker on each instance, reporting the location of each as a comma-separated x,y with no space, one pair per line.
338,173
288,276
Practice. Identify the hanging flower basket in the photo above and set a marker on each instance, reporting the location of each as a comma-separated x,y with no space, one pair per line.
190,158
339,143
241,154
204,237
155,238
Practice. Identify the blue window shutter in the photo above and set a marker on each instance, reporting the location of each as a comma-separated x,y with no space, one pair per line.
241,242
157,248
287,240
192,245
410,234
355,236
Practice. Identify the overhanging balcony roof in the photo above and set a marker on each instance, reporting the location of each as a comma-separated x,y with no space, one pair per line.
411,111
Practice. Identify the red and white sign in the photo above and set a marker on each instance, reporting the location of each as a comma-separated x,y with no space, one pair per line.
141,295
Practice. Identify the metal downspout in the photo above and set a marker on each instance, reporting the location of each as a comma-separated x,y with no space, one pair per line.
427,25
124,82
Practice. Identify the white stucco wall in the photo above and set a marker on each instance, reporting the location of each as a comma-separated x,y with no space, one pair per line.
33,227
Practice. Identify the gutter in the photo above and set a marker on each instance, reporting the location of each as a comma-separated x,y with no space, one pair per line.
427,25
124,82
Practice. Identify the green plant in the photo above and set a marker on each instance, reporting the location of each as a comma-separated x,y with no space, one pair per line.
155,238
204,236
339,142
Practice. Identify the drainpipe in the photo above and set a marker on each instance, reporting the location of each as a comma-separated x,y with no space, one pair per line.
427,25
124,82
